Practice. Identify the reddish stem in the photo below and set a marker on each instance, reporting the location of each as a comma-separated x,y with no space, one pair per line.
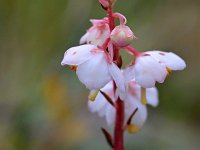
119,122
132,50
111,18
105,44
112,26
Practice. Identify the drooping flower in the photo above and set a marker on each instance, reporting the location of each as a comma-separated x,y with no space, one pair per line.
132,102
98,33
102,106
92,66
138,92
153,66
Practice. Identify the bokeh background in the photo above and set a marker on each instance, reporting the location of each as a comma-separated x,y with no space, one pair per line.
43,106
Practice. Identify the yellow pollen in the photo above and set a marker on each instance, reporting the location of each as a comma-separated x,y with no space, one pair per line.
132,128
93,95
73,68
168,71
143,96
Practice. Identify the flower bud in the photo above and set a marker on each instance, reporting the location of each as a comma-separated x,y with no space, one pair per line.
106,3
122,36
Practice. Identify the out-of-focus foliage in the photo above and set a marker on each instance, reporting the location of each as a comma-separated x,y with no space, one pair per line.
44,106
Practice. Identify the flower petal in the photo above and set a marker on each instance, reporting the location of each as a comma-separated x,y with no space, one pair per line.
140,116
128,74
101,105
94,73
84,38
147,71
98,35
118,77
100,102
171,60
77,55
110,114
152,96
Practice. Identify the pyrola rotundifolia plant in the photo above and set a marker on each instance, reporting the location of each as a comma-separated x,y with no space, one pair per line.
119,95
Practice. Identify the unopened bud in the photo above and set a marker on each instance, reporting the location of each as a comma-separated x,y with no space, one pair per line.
122,36
107,3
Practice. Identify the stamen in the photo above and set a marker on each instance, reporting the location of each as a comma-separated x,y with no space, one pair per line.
143,96
73,67
168,71
93,95
132,128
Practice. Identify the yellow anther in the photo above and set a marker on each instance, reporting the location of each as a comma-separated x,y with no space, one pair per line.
132,128
143,96
73,68
168,71
93,95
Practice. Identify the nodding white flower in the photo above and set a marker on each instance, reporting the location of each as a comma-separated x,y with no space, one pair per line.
138,97
133,101
144,95
92,66
98,33
102,106
153,66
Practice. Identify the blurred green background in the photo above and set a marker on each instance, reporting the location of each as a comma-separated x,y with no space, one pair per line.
43,106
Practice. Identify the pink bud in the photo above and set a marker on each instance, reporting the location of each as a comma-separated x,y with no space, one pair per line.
122,36
106,3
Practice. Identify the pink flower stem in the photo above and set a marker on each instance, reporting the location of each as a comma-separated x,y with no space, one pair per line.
105,44
119,122
111,18
112,26
132,50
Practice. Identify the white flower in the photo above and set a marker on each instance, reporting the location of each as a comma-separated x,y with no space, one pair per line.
136,91
133,101
93,68
98,33
102,106
153,66
140,116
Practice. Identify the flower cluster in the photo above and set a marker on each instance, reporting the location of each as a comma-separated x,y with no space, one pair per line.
97,63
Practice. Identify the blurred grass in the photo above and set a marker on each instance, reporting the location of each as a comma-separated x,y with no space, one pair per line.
44,106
